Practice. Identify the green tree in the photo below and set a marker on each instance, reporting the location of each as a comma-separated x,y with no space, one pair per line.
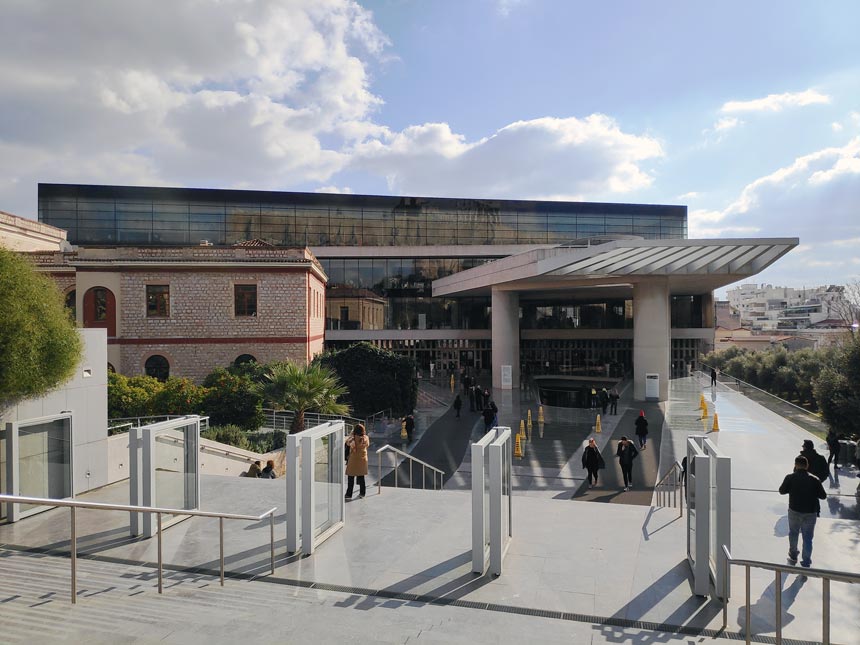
304,388
376,379
179,396
233,399
837,390
39,345
132,396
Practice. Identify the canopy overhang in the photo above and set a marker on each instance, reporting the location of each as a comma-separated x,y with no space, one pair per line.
611,268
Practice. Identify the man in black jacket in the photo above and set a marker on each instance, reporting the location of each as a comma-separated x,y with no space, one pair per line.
804,492
818,465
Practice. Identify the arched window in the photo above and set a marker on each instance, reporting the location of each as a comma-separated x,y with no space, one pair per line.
111,368
158,367
100,310
72,304
244,359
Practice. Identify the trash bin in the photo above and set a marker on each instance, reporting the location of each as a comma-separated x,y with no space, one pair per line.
847,451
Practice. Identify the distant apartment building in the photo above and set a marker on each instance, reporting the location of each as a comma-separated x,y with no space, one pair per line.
767,308
184,311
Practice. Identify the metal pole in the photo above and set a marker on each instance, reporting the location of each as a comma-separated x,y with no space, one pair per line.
73,547
423,477
747,626
410,473
221,546
272,540
396,468
726,595
160,585
778,607
825,611
378,473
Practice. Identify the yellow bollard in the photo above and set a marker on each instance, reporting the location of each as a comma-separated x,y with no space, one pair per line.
522,427
518,448
597,428
403,434
540,414
716,426
452,384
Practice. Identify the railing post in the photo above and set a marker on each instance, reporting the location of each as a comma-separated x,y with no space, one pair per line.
272,540
748,611
410,473
423,477
160,584
73,551
221,547
394,461
778,621
378,473
825,611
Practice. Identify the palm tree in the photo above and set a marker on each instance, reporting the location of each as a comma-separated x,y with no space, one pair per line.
304,388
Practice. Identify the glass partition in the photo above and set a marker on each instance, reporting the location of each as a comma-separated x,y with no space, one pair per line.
481,502
164,471
500,498
37,461
315,504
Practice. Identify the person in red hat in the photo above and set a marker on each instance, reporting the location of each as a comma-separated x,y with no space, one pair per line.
642,429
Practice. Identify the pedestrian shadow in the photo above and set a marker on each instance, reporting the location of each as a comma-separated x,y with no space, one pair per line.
780,529
763,611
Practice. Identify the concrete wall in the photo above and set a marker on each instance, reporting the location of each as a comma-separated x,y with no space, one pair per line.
85,395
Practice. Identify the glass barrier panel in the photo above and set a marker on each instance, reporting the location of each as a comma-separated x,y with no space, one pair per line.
44,461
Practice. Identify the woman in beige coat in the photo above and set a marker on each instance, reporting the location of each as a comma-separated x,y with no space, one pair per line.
356,465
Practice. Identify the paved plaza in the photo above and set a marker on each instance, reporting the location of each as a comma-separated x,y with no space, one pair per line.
399,571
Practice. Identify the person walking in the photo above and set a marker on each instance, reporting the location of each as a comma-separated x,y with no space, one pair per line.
488,415
356,464
626,453
604,400
592,461
642,429
593,398
833,449
410,426
804,492
713,377
471,398
818,465
613,400
458,403
479,398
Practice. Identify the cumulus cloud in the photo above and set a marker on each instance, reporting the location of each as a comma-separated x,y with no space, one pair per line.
814,198
545,158
776,102
726,123
258,93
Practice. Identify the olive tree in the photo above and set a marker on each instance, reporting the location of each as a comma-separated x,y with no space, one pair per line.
39,346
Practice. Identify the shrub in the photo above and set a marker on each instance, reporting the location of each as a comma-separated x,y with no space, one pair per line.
232,435
233,399
131,396
179,396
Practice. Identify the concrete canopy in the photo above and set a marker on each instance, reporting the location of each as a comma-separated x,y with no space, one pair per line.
690,266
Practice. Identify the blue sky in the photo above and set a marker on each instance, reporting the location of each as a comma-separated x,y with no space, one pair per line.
748,112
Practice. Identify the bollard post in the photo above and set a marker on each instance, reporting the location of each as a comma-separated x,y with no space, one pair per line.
73,548
160,563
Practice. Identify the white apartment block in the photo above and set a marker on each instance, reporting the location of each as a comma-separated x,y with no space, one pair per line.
769,308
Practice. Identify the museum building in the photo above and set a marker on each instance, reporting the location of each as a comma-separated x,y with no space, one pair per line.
538,287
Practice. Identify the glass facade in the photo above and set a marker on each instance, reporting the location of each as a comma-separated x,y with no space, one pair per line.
116,215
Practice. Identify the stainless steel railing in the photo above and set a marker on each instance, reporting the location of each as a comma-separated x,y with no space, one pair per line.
826,576
424,465
75,504
669,490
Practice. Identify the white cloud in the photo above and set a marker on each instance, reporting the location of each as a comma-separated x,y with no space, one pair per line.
687,196
100,91
726,123
562,158
814,198
337,190
777,102
504,7
836,126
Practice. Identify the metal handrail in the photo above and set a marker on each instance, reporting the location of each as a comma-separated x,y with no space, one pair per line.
101,506
424,466
667,488
826,575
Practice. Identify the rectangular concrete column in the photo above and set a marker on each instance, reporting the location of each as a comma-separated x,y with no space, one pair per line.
505,329
652,331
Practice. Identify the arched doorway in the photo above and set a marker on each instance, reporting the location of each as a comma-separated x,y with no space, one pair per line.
100,309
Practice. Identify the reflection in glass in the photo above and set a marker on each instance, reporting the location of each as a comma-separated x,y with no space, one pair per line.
44,460
174,468
328,484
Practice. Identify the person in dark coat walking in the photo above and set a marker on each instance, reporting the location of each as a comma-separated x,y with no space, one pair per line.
604,400
713,377
817,463
471,398
804,492
479,399
458,403
626,453
642,429
592,461
613,400
410,426
488,415
833,449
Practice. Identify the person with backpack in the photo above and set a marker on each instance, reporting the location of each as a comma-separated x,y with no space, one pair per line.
642,429
458,403
817,463
626,453
592,461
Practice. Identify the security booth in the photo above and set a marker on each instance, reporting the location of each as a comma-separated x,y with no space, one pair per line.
315,471
492,529
709,514
164,460
36,460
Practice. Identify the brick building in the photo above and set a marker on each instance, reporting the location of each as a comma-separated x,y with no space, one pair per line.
184,311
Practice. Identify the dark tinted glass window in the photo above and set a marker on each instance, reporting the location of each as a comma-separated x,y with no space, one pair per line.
245,299
157,301
157,367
